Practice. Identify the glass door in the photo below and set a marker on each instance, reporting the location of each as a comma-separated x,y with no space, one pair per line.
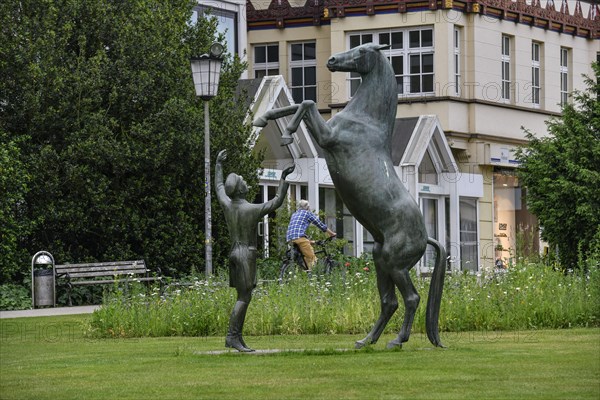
429,208
468,235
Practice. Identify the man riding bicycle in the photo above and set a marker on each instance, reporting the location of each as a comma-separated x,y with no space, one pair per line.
296,232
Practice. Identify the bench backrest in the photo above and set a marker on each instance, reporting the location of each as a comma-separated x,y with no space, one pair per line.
115,268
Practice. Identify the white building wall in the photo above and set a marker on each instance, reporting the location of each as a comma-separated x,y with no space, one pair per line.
486,47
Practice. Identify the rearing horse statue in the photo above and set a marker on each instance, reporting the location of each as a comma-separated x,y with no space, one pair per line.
357,147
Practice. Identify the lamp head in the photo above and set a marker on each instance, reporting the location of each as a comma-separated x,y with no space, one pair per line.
206,71
216,50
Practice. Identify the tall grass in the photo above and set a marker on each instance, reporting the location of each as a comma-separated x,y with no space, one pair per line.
527,296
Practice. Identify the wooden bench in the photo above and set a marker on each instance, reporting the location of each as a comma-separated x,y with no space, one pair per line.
103,273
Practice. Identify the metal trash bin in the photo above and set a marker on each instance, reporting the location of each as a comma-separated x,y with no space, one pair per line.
43,286
43,280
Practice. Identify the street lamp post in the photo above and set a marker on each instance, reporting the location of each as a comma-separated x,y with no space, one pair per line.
206,71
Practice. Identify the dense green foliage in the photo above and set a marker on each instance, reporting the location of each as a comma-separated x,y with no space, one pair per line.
101,126
528,296
562,174
14,184
14,297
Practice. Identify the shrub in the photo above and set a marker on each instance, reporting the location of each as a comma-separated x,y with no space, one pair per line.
14,297
528,296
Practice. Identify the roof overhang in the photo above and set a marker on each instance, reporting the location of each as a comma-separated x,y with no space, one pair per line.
426,134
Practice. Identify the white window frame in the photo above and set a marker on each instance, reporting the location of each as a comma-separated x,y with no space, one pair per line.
536,74
268,66
405,52
564,75
303,64
506,68
457,63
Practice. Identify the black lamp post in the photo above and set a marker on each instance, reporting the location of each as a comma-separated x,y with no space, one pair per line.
206,71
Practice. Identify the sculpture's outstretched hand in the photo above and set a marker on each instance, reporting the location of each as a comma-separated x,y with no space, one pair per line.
222,156
288,171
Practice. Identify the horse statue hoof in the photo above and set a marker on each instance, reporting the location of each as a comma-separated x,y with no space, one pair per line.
359,344
260,122
394,345
286,140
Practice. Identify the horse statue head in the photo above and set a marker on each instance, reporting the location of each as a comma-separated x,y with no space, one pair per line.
361,59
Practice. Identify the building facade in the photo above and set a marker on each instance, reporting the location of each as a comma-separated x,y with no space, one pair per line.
471,76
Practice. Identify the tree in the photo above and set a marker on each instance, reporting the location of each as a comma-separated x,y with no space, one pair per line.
99,98
14,181
562,174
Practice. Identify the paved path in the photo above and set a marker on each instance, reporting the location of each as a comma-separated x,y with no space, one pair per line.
46,312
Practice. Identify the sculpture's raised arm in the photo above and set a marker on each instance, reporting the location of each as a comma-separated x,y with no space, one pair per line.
277,201
219,183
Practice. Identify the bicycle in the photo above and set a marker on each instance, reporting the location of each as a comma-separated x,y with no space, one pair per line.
293,263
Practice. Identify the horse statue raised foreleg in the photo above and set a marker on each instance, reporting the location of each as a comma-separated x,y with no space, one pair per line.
356,144
307,111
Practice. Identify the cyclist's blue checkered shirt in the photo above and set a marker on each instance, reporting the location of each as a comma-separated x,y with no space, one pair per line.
299,223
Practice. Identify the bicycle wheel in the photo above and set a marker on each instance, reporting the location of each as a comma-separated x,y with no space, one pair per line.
329,266
290,270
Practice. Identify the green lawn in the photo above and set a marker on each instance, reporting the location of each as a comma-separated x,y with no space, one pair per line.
49,358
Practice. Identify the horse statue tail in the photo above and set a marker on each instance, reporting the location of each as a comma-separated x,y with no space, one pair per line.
435,294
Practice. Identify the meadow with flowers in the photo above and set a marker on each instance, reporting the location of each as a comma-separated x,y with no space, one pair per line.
523,297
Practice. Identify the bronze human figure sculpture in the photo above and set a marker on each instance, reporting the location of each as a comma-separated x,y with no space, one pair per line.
357,148
242,220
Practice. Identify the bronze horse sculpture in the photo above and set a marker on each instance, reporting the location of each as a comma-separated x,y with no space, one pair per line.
357,147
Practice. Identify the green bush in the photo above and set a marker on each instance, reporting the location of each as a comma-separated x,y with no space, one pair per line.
14,297
528,296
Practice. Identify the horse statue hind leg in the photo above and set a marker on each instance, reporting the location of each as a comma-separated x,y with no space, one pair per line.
393,261
401,278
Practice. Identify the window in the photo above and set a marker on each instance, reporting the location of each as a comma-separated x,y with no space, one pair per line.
516,230
267,232
457,61
505,68
303,71
266,60
357,40
411,56
535,74
227,23
468,234
337,217
427,170
564,75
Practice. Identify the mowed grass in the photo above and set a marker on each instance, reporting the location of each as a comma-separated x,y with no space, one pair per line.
49,358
